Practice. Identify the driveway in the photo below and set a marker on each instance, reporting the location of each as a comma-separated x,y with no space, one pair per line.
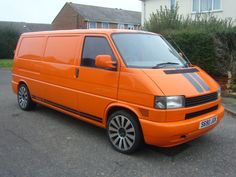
46,143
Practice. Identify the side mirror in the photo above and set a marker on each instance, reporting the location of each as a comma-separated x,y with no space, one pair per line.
105,61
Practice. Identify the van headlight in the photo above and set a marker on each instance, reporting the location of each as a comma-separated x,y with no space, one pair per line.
219,92
169,102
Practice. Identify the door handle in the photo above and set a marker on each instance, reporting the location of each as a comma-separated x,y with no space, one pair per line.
76,72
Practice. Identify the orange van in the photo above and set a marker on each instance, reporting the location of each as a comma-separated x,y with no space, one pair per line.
133,83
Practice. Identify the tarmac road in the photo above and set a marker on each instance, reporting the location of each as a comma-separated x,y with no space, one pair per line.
46,143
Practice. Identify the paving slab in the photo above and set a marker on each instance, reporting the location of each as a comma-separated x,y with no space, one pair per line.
230,105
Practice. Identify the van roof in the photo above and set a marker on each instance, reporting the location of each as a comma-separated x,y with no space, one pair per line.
84,31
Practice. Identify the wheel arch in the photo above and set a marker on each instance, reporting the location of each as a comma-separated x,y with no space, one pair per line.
116,107
22,82
137,115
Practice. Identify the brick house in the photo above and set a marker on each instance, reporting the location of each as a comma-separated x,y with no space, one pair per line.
78,16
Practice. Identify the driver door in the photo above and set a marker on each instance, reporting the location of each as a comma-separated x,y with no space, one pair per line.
98,87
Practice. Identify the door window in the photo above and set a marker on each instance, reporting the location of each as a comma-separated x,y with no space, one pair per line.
94,46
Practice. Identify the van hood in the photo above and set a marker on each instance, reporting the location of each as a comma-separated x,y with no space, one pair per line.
189,82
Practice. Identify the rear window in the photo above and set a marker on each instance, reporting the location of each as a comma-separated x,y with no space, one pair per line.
31,48
61,49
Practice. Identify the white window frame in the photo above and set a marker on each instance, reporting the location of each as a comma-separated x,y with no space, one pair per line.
131,27
88,25
121,24
107,24
206,11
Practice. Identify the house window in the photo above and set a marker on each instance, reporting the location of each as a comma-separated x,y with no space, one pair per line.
121,26
105,25
196,5
216,5
206,5
172,3
92,25
131,27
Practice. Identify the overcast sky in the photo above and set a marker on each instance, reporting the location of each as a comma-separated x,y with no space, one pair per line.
44,11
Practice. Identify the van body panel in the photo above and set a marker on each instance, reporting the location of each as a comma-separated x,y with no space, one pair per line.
95,94
135,81
180,114
27,62
98,87
173,84
69,113
137,90
173,133
58,70
52,66
142,112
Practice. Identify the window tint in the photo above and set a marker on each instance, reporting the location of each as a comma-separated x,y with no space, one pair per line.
94,46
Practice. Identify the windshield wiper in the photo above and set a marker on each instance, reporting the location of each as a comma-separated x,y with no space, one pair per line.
162,65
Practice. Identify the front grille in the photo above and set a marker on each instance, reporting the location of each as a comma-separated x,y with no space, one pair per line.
194,101
199,113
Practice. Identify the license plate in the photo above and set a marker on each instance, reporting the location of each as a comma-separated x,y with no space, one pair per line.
208,122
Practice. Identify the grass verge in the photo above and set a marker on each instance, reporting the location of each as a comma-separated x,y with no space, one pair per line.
6,63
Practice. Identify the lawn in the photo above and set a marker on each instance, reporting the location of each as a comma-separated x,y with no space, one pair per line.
6,63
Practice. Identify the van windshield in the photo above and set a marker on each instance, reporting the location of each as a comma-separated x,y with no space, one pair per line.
144,50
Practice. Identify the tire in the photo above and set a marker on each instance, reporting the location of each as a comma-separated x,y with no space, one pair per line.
24,99
124,132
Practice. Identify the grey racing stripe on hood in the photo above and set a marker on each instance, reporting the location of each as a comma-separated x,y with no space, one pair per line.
193,82
200,81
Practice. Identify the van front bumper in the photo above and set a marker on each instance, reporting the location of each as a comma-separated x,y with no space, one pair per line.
170,134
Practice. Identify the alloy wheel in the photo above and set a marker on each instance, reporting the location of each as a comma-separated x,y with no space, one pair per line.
121,132
23,97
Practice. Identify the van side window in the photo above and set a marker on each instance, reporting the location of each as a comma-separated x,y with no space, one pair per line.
94,46
31,48
61,50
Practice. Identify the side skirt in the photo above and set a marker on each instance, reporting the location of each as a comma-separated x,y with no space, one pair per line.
82,114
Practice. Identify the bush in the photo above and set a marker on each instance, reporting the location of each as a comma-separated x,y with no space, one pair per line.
165,21
225,51
8,41
233,85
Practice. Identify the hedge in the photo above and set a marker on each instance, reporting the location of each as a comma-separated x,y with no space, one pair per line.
8,41
214,52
